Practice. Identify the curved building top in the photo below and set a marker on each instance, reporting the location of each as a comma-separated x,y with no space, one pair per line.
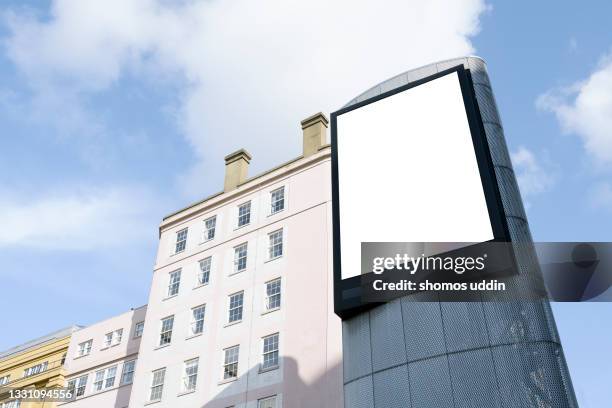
476,65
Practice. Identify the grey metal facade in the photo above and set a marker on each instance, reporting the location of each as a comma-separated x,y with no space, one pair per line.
407,354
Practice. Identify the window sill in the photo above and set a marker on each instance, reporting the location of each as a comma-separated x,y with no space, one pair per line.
276,213
200,285
242,226
232,323
273,259
83,356
265,370
193,336
169,297
270,311
227,380
173,254
237,272
152,402
162,346
180,394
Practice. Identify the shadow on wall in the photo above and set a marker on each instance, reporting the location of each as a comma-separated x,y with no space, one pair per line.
325,391
122,398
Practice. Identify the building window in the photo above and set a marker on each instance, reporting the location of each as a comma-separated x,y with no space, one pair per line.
275,248
138,329
85,348
181,241
5,379
105,378
11,404
165,336
77,385
270,351
113,338
204,273
38,368
273,294
269,402
277,200
244,214
127,375
210,225
240,257
230,364
235,307
190,375
174,282
157,384
197,319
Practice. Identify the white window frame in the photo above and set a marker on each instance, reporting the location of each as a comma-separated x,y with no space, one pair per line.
158,378
180,243
174,282
232,306
275,208
5,379
210,228
193,325
128,370
138,329
270,295
227,364
241,252
167,331
189,381
262,401
275,244
244,218
105,379
35,369
113,338
270,349
78,385
85,348
204,270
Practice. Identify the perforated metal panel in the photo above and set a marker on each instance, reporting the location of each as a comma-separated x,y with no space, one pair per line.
388,348
462,355
464,326
430,383
357,352
474,381
392,388
359,393
423,329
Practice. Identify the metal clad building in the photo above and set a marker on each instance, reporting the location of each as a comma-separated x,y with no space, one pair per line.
461,354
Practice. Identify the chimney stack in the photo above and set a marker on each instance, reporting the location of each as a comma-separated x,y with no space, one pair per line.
315,132
236,169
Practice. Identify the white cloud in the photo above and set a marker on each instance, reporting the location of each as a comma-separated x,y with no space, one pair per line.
534,175
247,71
585,109
80,220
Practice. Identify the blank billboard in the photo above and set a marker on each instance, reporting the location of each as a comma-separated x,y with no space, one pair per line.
411,166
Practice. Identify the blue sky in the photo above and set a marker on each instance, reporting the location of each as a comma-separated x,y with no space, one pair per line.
115,113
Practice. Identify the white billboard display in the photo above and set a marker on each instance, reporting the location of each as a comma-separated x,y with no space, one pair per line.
408,172
409,167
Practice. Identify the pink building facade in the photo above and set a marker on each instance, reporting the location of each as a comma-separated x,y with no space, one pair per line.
102,359
240,311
